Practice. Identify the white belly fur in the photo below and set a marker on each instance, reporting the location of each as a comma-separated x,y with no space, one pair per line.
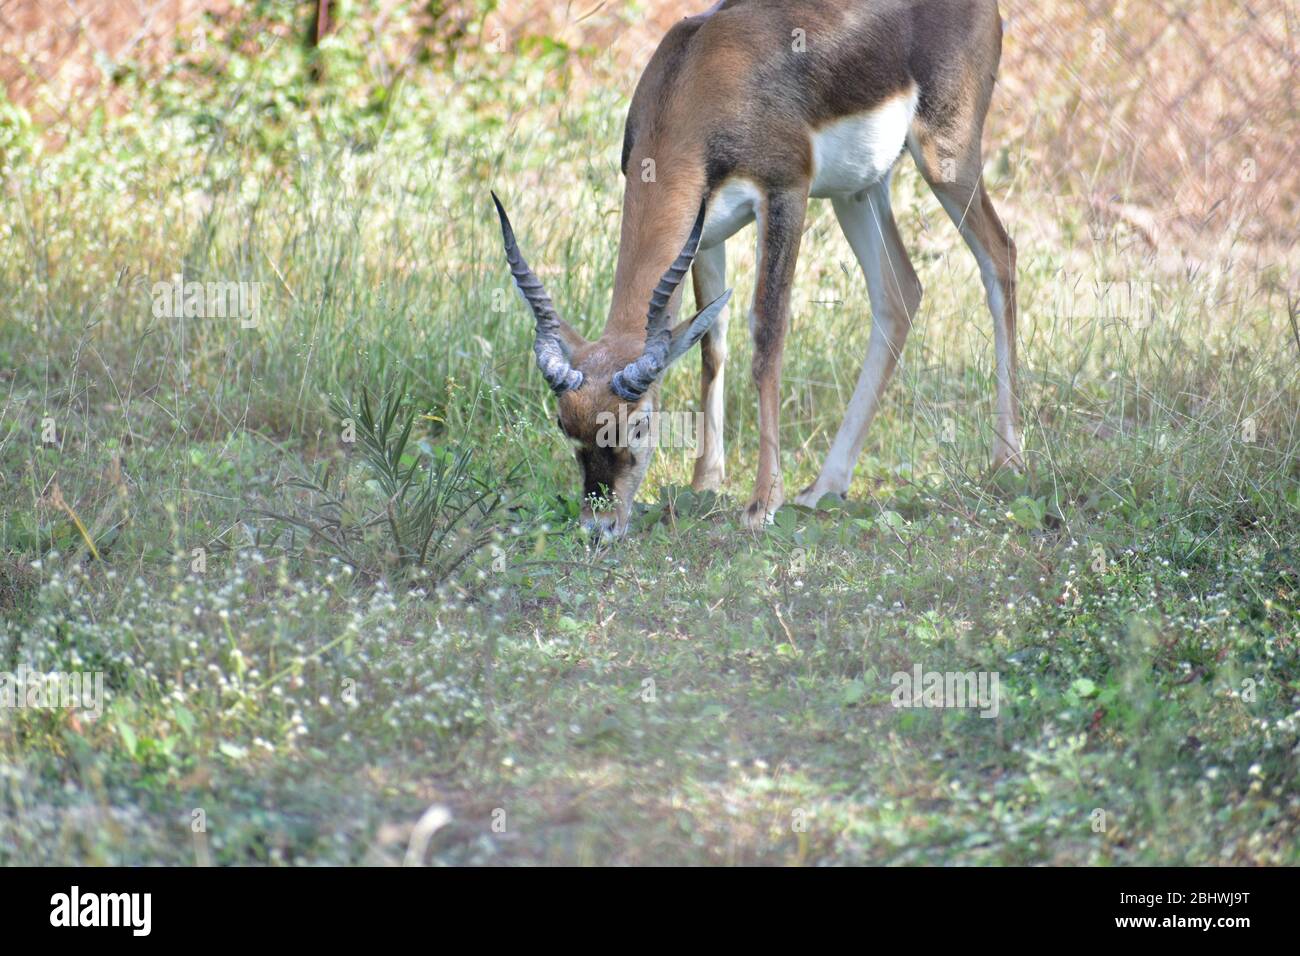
855,152
849,155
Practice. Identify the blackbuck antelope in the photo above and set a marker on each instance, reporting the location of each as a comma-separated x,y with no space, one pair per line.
743,113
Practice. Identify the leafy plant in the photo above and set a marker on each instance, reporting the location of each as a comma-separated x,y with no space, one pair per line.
432,507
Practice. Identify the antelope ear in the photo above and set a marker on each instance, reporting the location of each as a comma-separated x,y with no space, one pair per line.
689,331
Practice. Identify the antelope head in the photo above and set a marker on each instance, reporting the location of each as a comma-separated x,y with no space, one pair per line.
608,390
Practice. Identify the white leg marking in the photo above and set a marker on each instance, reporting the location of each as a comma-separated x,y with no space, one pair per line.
733,205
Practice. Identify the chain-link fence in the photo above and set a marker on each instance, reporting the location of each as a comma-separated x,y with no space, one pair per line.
58,56
1170,114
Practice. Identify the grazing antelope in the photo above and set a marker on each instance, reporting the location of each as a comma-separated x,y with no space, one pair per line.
743,113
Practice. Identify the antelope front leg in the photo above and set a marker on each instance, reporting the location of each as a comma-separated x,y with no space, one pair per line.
780,227
710,277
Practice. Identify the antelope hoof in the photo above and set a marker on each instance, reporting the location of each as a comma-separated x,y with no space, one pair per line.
811,496
759,512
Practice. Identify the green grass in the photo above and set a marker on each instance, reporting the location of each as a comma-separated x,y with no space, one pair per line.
693,694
